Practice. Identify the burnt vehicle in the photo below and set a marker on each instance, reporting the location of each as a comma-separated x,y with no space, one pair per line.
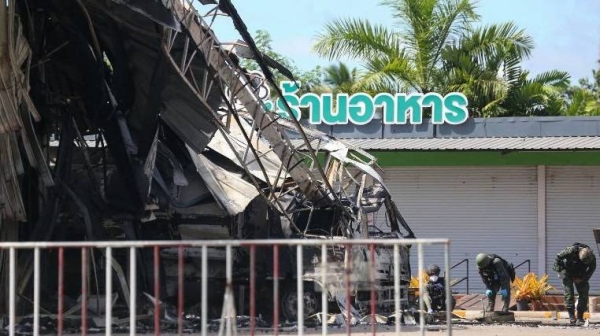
246,216
130,120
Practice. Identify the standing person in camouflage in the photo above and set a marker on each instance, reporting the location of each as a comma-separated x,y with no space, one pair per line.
497,275
575,266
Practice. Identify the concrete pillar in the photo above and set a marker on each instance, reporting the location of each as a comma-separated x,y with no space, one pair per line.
541,211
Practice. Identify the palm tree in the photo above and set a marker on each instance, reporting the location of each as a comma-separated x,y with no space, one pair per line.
584,99
540,95
340,77
581,101
495,82
437,48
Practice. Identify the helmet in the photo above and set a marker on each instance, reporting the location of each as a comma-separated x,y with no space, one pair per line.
586,255
483,259
433,270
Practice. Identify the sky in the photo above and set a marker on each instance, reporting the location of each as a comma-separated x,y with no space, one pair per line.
566,33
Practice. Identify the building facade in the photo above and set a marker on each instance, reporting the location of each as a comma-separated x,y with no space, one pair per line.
523,188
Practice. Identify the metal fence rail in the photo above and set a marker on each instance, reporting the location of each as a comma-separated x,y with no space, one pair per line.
466,277
528,262
227,324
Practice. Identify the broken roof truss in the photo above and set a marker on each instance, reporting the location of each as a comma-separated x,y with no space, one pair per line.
166,57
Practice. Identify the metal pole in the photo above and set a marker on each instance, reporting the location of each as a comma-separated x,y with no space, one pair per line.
252,288
108,298
300,290
421,289
204,289
213,243
324,308
448,289
132,291
229,291
11,289
276,289
397,287
36,291
467,276
84,291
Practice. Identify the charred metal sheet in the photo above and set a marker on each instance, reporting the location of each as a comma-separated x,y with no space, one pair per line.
217,58
191,151
229,189
11,204
16,109
178,104
186,195
154,10
270,162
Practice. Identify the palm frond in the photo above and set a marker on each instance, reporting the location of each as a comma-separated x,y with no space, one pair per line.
357,39
496,39
385,72
582,102
512,70
339,74
453,17
553,78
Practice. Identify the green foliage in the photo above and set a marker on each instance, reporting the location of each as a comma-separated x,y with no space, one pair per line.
340,78
407,59
584,99
437,48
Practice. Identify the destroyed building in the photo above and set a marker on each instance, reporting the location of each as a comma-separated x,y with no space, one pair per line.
130,120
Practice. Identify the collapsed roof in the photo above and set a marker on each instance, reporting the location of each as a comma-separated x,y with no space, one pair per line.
173,117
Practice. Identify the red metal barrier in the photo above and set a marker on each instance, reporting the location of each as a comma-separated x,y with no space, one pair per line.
320,250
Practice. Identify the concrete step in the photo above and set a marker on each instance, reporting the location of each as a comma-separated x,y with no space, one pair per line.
548,303
527,315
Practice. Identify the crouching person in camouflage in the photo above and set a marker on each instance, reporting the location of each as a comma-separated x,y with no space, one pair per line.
434,295
575,265
497,275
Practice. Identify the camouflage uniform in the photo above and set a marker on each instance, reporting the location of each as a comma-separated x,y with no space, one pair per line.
571,268
434,295
496,276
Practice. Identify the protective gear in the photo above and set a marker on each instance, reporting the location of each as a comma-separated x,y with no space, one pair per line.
496,273
489,293
433,270
483,260
586,255
434,295
577,261
504,293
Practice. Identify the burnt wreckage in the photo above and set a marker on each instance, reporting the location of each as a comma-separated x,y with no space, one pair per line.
129,120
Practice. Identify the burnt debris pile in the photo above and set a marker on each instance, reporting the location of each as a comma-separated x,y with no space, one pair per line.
129,120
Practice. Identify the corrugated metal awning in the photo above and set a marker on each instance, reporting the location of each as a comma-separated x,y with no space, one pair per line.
438,144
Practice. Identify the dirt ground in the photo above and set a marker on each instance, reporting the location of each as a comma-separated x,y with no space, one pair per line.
470,328
507,330
457,330
462,330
